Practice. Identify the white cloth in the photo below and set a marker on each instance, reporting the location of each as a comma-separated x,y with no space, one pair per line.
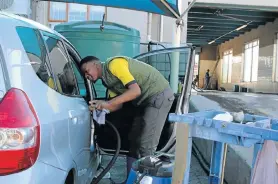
99,116
224,117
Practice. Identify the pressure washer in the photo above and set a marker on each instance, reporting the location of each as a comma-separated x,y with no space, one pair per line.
156,169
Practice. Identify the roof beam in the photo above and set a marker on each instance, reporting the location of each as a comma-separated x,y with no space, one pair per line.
208,37
221,32
217,34
213,26
235,12
200,42
268,8
222,22
217,29
206,40
211,23
219,18
211,34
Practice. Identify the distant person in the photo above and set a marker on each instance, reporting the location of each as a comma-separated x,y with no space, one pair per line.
207,78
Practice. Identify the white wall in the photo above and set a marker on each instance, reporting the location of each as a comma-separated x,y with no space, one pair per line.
130,18
20,7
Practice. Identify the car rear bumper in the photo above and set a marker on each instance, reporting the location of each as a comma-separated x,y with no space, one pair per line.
40,173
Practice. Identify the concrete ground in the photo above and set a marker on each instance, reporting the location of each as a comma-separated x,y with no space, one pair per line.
118,171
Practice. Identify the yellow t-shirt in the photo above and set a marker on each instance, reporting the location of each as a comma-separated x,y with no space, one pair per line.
119,68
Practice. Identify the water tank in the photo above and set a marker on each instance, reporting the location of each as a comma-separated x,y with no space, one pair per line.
113,40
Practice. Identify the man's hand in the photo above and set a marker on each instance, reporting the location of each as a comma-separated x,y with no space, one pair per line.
98,104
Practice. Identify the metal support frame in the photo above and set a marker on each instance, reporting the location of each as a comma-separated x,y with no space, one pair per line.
202,125
217,162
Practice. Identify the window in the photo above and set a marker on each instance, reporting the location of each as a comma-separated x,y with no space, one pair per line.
251,59
57,12
227,67
62,68
80,80
77,12
34,47
96,12
71,12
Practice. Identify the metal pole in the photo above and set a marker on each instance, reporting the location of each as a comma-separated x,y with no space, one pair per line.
161,28
224,163
177,29
149,31
218,158
174,73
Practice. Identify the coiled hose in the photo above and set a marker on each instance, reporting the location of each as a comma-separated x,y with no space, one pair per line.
113,160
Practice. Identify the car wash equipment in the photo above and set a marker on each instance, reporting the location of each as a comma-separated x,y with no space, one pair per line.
243,130
155,169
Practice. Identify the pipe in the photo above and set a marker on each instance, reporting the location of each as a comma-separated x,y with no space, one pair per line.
174,73
161,28
113,160
224,163
149,32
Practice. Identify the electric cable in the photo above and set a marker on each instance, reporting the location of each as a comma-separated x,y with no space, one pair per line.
113,160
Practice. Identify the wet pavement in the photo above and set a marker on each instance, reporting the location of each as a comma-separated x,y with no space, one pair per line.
118,171
251,103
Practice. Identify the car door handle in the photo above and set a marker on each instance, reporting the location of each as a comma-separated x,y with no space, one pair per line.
73,116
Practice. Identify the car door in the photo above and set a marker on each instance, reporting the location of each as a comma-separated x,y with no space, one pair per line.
73,105
90,151
122,119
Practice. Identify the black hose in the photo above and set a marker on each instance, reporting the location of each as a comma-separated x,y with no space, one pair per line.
113,160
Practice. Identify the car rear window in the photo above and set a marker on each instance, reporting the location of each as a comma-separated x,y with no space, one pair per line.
35,49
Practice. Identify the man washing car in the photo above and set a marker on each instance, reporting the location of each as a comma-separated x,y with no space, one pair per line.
127,80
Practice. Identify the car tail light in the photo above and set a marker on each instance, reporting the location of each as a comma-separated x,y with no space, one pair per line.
19,133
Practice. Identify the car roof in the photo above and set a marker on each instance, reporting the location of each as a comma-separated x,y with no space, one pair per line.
16,20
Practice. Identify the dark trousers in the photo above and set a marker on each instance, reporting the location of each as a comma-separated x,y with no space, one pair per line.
148,124
207,83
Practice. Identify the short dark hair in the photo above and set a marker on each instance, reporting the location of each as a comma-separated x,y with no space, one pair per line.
87,59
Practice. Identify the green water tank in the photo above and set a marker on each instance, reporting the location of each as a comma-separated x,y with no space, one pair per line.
113,40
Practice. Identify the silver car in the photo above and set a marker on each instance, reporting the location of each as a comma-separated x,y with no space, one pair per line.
46,134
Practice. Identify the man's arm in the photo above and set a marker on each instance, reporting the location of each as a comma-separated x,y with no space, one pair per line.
132,93
113,108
